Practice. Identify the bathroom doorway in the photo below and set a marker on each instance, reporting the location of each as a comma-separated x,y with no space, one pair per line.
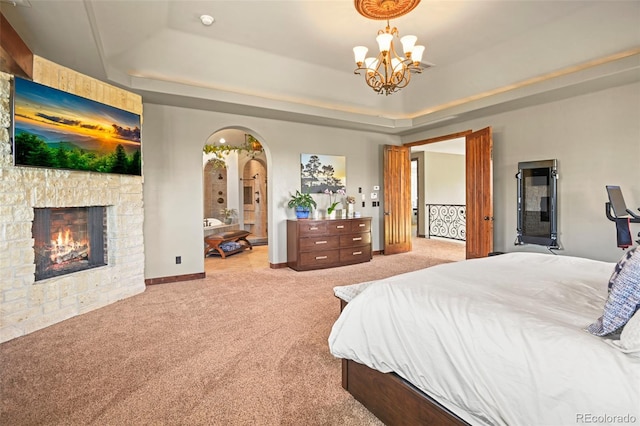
235,185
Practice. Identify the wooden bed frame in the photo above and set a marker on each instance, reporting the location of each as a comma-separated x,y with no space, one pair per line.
392,399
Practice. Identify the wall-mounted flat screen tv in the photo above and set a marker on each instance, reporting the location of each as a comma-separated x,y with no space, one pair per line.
56,129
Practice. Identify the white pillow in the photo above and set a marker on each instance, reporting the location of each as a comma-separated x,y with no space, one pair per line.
348,292
630,337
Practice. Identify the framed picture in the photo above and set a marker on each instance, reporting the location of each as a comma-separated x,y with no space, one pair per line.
322,172
60,130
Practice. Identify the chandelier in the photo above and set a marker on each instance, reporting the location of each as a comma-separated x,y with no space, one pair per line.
388,72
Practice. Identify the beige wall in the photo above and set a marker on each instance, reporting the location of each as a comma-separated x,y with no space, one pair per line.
172,150
444,182
596,139
444,178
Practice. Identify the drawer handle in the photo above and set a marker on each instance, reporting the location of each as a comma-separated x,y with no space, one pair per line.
320,257
321,242
361,225
357,238
355,253
340,226
313,228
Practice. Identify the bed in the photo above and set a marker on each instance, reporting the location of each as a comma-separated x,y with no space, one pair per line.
501,340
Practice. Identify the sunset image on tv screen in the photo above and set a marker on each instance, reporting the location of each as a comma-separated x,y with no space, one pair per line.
57,129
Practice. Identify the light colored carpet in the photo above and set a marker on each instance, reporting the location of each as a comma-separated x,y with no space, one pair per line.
236,348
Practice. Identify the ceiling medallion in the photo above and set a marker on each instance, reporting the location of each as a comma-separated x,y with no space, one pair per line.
384,9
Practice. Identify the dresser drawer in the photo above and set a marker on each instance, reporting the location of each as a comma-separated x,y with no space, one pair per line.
356,254
322,242
358,225
338,226
355,239
309,228
319,258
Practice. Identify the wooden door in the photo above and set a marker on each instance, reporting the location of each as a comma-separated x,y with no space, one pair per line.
397,199
479,193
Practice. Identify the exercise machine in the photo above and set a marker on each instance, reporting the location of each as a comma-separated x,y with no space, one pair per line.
622,216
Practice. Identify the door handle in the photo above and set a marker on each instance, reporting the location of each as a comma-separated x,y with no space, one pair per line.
488,218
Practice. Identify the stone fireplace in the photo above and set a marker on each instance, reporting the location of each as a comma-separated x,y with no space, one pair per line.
68,240
57,258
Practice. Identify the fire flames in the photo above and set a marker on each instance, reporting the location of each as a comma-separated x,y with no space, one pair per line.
65,249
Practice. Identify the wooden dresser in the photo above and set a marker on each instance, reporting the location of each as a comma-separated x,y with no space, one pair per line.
325,243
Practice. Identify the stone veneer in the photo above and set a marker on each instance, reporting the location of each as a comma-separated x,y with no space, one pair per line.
26,305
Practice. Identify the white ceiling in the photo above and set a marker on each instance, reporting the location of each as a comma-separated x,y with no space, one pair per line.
292,59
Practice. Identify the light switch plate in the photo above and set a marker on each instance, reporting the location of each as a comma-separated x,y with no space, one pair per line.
374,195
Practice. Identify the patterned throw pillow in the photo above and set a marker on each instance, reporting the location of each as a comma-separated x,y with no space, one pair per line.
624,295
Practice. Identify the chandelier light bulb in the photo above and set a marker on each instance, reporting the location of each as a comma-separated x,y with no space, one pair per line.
384,41
396,65
371,64
408,42
416,56
360,52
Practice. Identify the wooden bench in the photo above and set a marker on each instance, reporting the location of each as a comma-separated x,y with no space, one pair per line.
212,242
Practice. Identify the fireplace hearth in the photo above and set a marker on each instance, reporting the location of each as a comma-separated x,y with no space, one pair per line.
68,240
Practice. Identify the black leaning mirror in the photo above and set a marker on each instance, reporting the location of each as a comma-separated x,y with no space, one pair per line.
538,203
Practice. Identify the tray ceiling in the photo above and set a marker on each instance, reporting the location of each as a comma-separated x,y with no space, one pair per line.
292,59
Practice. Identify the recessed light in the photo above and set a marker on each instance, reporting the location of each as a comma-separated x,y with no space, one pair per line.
222,140
206,20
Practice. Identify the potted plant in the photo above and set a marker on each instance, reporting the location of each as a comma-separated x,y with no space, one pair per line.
333,200
302,203
228,215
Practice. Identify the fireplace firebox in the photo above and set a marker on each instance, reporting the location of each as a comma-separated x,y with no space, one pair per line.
69,240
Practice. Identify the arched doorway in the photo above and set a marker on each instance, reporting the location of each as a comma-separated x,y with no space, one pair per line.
235,184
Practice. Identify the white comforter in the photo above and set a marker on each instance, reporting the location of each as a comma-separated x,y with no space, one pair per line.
498,340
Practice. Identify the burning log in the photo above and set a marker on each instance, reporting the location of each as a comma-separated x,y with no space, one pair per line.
70,255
